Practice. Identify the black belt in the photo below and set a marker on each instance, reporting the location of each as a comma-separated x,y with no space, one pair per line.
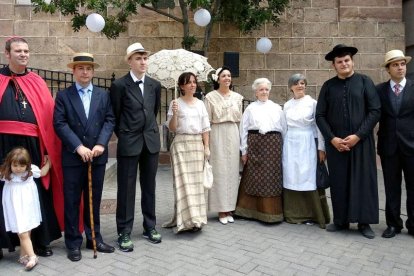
255,131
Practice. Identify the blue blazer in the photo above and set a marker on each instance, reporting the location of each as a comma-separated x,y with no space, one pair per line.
74,129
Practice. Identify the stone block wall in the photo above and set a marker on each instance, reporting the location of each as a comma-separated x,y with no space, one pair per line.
308,30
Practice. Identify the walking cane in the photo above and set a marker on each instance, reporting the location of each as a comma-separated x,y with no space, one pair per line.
91,209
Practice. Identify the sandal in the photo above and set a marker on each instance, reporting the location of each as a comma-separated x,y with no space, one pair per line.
32,262
23,260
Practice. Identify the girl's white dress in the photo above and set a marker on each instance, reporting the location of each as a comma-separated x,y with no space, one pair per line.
21,206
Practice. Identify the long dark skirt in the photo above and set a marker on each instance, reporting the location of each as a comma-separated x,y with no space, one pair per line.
260,191
303,206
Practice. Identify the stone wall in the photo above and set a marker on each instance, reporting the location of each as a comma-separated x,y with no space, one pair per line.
308,30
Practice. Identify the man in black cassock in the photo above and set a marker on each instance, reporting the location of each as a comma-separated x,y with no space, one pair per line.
347,111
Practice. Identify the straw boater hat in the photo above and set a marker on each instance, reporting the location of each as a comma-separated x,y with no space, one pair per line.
340,49
82,58
135,48
395,55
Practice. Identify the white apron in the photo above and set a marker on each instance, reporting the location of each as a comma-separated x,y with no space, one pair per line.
299,159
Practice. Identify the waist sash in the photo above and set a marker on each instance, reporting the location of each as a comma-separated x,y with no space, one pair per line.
20,128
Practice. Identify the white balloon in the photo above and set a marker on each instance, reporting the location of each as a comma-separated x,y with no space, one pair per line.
95,22
264,45
202,17
47,1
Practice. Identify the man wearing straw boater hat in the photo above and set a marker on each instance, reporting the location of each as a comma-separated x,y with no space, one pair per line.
347,111
136,100
84,121
396,141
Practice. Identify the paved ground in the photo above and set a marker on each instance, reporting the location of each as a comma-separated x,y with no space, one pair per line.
242,248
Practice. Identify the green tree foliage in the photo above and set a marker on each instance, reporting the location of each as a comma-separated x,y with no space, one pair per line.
247,15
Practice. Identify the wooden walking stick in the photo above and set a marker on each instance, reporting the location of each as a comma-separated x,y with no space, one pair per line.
91,209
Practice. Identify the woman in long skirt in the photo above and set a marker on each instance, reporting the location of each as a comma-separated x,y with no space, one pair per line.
302,201
261,132
224,108
188,118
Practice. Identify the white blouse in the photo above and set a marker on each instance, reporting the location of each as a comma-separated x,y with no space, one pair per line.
191,119
300,113
264,117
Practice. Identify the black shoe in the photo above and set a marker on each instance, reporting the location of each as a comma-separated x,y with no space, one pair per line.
152,235
336,227
74,254
100,247
1,253
44,251
366,231
411,232
124,242
390,232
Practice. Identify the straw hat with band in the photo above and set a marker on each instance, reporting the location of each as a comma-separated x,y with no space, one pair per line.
395,55
82,58
135,48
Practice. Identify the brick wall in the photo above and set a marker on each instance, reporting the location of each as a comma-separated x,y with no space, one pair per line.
309,29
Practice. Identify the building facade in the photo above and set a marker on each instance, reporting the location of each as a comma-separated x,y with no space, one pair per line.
308,30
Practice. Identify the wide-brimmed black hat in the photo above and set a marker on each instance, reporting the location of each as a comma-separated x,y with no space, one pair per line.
339,50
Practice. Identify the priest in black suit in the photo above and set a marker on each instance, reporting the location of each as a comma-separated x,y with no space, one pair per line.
396,141
136,100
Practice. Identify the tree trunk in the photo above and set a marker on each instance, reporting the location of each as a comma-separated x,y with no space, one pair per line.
186,26
207,33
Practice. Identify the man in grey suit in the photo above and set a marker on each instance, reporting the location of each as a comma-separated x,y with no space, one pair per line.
396,141
136,101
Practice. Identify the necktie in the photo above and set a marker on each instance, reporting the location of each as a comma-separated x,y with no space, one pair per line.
397,90
139,87
86,100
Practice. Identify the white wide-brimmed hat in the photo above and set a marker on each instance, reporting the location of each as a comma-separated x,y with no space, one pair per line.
135,48
395,55
82,58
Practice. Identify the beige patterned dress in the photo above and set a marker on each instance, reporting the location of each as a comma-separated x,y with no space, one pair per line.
225,115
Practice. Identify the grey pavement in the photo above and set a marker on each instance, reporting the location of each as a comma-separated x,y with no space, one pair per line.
243,248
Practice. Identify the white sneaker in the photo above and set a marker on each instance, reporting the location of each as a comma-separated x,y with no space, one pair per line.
230,219
223,220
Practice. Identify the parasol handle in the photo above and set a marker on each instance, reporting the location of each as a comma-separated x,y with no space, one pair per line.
91,209
175,90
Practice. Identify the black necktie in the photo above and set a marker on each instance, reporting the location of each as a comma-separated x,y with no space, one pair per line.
138,83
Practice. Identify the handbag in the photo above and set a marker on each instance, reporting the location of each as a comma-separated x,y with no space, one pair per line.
322,176
207,175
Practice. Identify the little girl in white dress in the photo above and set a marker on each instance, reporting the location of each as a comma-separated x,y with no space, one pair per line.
21,206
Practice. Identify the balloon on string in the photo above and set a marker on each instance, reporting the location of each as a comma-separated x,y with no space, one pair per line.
264,45
47,1
202,17
95,22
